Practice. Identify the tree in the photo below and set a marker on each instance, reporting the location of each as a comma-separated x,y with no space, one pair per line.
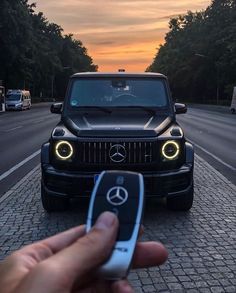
34,53
199,53
15,39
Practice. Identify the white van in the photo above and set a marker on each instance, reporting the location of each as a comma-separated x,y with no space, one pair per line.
233,103
18,100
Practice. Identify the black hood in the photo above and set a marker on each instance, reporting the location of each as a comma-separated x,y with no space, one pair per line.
118,123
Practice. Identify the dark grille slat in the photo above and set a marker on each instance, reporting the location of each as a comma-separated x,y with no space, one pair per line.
84,153
94,152
144,152
150,147
129,150
89,156
140,153
105,152
98,152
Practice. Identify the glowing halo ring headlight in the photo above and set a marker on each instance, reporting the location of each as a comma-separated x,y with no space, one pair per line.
64,150
169,153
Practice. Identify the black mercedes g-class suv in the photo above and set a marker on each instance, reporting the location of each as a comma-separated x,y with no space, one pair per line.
118,121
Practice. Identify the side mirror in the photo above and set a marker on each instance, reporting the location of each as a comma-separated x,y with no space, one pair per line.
56,108
180,108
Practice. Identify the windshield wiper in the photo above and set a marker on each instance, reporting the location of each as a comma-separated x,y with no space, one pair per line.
147,109
103,109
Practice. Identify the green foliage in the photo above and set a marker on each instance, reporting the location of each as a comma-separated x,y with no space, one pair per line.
199,53
34,53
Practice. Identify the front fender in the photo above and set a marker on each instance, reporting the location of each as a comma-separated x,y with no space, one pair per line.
189,153
45,153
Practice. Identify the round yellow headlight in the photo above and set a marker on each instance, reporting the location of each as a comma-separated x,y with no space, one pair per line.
64,150
170,150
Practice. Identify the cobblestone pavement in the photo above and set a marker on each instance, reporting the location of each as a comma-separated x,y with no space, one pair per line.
201,243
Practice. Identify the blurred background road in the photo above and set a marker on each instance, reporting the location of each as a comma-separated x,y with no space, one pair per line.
21,135
212,130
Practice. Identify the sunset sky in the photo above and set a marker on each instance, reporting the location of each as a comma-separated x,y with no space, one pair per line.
118,33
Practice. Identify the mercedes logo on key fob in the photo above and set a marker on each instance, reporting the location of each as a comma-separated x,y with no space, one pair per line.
122,193
117,195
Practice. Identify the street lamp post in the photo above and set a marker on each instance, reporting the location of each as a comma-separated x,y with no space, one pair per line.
217,75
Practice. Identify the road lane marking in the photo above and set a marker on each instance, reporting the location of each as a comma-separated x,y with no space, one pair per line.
11,129
212,155
17,166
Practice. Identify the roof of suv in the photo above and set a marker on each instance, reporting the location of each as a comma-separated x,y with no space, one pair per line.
118,74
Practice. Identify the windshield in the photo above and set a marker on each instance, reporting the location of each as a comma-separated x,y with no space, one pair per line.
120,92
13,97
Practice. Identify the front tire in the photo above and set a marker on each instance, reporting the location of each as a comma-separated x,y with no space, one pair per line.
53,203
233,111
181,203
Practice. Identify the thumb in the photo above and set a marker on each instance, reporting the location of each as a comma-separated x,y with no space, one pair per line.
93,249
82,257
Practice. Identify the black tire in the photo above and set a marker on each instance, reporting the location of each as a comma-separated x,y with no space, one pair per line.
53,203
181,203
233,111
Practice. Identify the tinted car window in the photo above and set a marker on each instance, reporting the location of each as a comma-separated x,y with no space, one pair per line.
118,92
13,97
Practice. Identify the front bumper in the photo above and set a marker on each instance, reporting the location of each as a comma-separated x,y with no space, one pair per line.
80,184
14,106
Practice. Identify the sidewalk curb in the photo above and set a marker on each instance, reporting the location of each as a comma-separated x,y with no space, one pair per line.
222,177
22,181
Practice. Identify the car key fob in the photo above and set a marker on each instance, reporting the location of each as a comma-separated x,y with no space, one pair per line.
122,193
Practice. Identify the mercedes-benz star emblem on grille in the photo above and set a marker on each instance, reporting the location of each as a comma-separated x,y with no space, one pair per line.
117,153
117,195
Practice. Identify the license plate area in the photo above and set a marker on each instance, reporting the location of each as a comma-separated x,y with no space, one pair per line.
95,178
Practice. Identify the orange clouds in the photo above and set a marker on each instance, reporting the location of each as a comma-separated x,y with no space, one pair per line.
118,33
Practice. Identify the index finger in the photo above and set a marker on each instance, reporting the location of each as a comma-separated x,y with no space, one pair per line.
149,254
43,249
64,239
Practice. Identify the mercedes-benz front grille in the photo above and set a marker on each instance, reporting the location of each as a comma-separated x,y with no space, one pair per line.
117,152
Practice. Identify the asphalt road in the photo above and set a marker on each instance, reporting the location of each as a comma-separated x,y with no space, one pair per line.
21,136
213,133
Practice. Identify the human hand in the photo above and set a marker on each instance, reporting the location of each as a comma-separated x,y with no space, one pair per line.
67,262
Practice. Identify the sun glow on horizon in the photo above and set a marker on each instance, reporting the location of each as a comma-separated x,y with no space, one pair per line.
118,34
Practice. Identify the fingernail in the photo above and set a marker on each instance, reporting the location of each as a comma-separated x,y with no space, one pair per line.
105,220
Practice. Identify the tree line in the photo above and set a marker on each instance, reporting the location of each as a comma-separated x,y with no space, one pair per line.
199,54
35,54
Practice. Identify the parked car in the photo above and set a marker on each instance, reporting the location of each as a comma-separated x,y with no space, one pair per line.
117,121
18,100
